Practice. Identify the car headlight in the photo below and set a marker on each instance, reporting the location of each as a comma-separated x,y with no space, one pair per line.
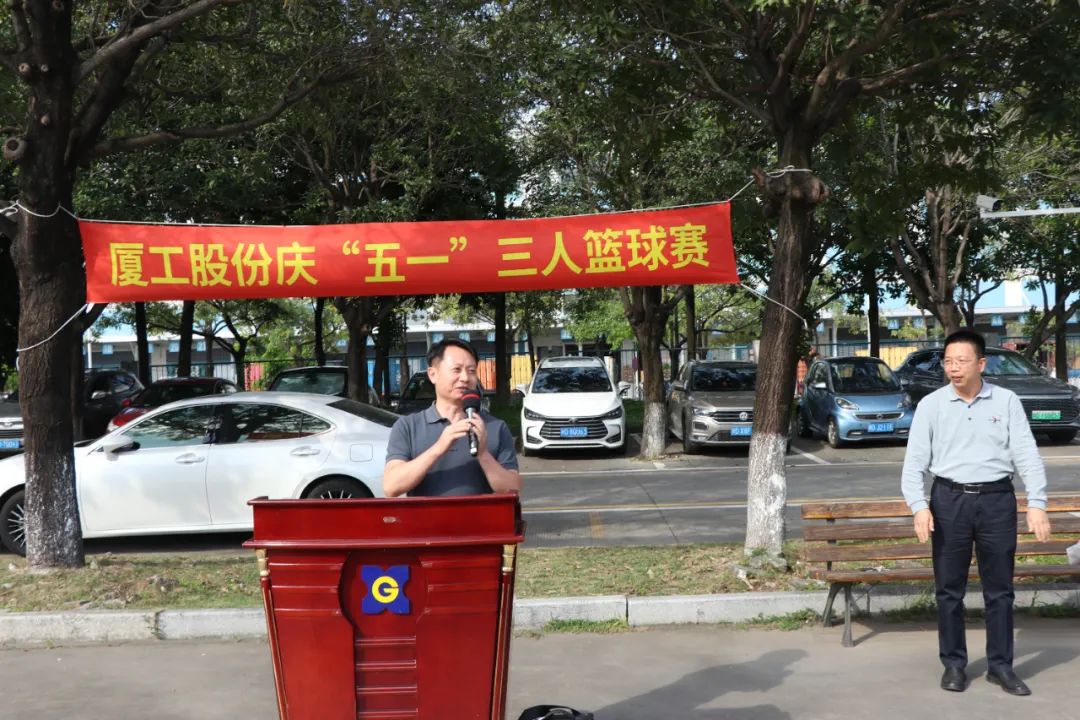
530,415
845,404
613,415
905,403
701,410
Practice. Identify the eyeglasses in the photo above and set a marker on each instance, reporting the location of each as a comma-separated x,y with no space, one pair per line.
956,362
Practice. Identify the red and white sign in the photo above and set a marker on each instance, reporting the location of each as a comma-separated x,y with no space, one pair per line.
128,262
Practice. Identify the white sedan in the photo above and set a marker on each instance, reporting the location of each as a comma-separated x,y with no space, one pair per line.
191,466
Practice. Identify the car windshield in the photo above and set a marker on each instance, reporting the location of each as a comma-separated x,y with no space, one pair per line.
419,388
160,394
1009,364
571,380
320,383
862,376
367,412
721,379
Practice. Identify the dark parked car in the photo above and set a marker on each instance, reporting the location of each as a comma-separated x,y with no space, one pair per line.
104,393
321,380
11,424
419,393
1052,406
161,392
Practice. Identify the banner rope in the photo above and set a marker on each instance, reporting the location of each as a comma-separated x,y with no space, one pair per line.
18,206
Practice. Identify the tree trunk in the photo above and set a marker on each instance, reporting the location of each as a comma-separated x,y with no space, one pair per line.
187,327
691,326
648,334
531,347
320,350
52,285
1061,337
948,314
239,353
356,362
142,344
793,196
873,326
210,355
502,361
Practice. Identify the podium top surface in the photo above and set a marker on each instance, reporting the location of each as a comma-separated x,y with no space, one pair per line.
387,523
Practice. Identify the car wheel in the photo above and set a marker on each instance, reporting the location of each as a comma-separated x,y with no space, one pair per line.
337,488
833,434
1062,437
689,446
803,423
13,523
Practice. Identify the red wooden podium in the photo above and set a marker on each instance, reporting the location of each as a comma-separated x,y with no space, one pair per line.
389,609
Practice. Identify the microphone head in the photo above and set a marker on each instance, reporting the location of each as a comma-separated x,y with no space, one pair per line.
470,400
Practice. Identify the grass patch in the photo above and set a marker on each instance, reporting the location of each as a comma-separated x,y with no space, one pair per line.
597,627
792,621
111,582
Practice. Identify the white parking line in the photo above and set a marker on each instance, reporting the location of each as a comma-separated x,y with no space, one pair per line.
812,456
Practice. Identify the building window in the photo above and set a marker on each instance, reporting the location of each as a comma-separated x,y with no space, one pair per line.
997,321
464,335
436,337
106,349
820,327
174,346
893,323
200,346
491,336
150,347
1022,319
566,334
918,322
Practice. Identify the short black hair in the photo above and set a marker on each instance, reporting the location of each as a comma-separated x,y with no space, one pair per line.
971,337
436,351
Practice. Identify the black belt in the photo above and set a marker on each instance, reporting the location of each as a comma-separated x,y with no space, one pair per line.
997,486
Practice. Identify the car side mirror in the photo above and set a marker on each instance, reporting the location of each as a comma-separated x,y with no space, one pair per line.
904,382
820,386
623,387
98,395
678,385
118,444
523,389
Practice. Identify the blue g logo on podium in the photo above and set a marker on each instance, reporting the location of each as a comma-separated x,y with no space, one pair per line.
386,589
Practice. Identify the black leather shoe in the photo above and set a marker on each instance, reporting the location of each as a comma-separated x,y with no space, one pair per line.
954,679
1008,681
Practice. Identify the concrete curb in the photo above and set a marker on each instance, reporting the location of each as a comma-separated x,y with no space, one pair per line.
103,626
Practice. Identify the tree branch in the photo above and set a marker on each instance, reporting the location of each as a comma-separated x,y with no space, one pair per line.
897,77
169,137
22,27
146,32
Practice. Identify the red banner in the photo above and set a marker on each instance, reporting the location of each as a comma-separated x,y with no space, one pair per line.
128,262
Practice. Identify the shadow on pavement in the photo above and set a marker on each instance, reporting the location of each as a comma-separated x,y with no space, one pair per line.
684,698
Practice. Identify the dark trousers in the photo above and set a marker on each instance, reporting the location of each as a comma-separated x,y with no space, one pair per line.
989,521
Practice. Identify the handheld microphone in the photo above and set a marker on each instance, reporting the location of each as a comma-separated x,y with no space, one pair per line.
471,402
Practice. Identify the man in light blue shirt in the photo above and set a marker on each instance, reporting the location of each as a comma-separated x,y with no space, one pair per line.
973,437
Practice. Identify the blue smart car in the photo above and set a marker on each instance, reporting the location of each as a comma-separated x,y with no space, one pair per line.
849,399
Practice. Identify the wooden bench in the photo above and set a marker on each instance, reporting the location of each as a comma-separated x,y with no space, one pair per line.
883,531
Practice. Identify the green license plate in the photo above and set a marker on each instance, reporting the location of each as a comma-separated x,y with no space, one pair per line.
1045,414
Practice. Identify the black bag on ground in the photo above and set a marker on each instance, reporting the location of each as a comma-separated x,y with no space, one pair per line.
554,712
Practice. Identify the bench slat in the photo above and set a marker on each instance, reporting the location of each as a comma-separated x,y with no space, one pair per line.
914,551
898,508
901,529
927,573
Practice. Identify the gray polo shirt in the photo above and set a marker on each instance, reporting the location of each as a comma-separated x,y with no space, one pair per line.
457,472
983,441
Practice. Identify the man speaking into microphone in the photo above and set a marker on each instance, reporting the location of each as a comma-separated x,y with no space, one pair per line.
451,448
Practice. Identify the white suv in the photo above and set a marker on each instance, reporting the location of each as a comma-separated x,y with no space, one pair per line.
572,403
